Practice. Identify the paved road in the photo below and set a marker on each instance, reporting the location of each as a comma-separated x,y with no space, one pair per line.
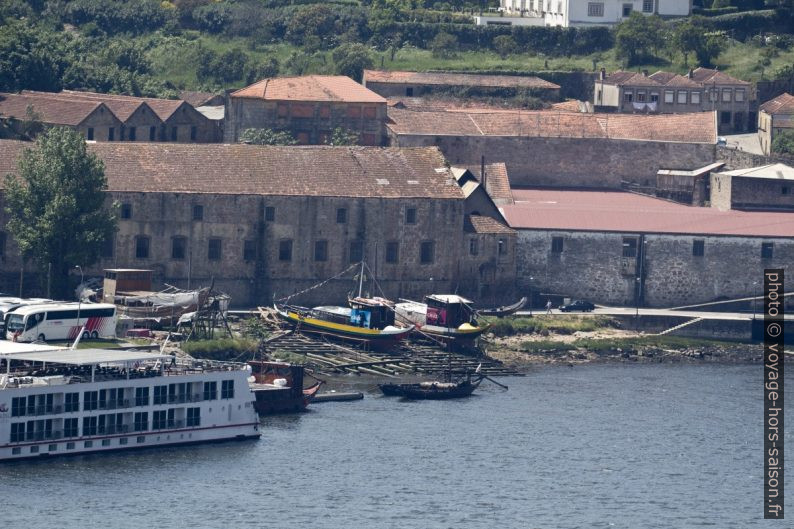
631,311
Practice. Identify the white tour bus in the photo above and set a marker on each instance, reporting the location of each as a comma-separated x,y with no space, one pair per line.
58,321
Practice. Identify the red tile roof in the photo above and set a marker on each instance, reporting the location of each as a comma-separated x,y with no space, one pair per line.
700,77
674,80
630,78
782,104
615,211
482,224
458,79
122,106
336,88
51,110
694,127
256,170
709,76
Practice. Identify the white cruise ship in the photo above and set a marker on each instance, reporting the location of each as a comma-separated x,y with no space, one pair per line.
56,401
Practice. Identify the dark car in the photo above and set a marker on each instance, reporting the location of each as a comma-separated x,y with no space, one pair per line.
579,304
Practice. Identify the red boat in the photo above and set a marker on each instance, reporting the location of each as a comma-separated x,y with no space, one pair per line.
278,387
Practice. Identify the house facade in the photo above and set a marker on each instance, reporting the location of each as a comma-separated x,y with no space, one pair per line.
579,13
775,116
700,90
309,108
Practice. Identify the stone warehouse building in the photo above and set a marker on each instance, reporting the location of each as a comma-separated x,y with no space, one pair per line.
701,90
563,149
308,107
267,222
622,248
417,84
109,117
775,116
769,187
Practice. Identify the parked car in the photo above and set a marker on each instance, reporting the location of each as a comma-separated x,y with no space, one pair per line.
579,304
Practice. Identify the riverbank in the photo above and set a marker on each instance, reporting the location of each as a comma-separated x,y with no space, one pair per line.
519,342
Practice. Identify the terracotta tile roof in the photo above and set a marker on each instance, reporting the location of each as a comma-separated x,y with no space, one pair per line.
255,170
459,79
122,106
674,80
439,104
694,127
496,181
52,110
630,78
198,99
310,88
782,104
615,211
483,224
709,76
571,105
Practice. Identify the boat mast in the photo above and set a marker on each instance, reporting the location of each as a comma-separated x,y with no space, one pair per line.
361,279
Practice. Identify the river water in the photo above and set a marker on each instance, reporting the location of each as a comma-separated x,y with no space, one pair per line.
598,446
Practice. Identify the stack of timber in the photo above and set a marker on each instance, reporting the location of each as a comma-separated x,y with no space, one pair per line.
330,357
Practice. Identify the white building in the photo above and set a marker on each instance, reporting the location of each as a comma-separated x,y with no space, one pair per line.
576,13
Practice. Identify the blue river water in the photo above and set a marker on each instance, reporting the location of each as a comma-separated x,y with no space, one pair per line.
598,446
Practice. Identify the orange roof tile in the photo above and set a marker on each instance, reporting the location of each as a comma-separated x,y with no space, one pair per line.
310,88
483,224
709,76
459,79
259,170
51,110
496,181
782,104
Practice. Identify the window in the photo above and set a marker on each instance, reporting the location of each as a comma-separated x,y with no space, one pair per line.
152,133
501,247
682,97
669,96
90,134
595,9
227,389
270,214
767,250
105,442
726,95
89,426
627,9
178,247
210,390
725,118
142,396
35,449
392,252
174,133
111,133
70,427
556,244
427,252
320,251
409,91
628,96
71,402
17,432
783,191
629,247
90,400
694,98
356,254
698,247
193,133
126,210
341,215
105,248
410,215
713,94
474,247
132,134
654,97
198,212
214,249
158,420
647,6
142,247
249,250
302,138
641,96
193,417
285,250
740,94
370,112
141,421
123,440
160,394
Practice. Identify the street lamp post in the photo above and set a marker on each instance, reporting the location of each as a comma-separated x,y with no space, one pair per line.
531,279
79,297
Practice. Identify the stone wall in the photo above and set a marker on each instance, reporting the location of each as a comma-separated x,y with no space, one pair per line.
592,266
762,193
736,159
569,162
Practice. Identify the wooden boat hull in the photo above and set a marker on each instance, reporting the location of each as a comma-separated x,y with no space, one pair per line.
454,336
282,400
431,391
501,312
376,337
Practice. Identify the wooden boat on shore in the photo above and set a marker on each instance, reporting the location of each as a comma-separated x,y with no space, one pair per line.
445,317
278,387
505,310
433,390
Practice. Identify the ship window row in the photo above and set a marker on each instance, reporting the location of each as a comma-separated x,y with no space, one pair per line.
115,398
106,424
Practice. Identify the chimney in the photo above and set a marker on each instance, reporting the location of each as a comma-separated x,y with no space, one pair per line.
691,73
645,73
603,74
482,173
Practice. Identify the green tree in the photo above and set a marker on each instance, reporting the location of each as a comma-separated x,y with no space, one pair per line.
504,45
351,60
267,137
56,205
341,137
638,36
444,45
783,143
264,70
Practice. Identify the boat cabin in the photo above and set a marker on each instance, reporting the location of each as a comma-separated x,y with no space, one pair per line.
371,313
448,310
